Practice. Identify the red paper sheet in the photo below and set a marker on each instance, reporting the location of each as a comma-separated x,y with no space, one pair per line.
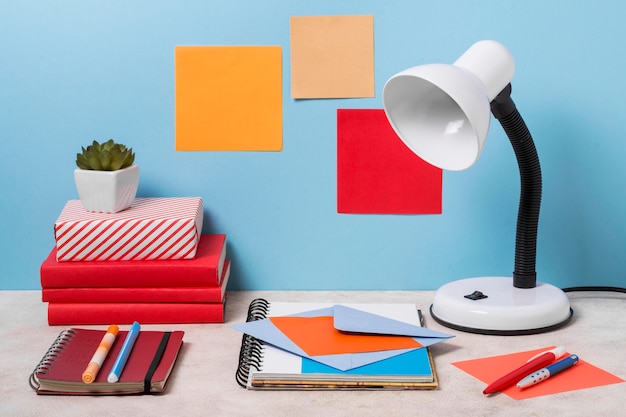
580,376
377,173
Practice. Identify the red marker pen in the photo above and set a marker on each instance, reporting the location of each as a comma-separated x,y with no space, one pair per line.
535,363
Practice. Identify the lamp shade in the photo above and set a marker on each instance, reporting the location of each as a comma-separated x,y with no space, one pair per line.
442,112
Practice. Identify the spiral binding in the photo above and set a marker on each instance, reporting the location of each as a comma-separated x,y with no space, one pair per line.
251,353
54,351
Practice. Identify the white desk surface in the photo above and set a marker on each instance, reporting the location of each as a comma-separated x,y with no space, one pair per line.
203,382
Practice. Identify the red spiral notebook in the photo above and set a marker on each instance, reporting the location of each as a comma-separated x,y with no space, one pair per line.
147,369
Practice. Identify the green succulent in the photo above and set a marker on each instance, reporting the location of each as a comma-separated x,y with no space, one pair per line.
108,156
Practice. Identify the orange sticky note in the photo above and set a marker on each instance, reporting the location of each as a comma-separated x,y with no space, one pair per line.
580,376
377,173
332,56
228,98
317,336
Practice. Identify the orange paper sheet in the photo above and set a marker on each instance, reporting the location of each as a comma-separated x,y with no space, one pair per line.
580,376
228,98
317,336
332,56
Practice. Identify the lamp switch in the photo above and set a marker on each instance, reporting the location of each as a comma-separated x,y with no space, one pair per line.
476,295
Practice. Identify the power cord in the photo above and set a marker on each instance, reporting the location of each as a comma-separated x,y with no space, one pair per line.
595,288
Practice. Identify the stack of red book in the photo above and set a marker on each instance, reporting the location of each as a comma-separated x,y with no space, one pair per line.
105,285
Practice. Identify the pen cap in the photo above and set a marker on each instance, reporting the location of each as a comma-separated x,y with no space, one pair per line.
90,373
557,352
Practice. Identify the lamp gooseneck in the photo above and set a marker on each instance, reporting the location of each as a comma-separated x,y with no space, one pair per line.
504,109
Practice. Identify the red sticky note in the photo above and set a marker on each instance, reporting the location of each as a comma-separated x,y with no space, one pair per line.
376,171
318,336
580,376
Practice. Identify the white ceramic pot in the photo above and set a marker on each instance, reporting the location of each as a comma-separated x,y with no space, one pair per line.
107,191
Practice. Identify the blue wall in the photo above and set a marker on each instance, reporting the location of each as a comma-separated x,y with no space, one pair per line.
72,71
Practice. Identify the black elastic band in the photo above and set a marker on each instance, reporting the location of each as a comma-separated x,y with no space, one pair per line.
147,382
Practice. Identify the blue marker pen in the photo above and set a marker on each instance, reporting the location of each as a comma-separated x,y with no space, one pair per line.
122,357
548,371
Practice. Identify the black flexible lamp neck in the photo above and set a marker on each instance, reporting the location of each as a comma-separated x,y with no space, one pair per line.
504,109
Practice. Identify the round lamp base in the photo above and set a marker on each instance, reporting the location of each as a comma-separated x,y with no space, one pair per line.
492,305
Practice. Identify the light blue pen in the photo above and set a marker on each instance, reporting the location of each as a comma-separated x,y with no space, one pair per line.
122,357
548,371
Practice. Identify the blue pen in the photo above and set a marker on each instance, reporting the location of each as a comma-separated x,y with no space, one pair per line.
122,357
548,371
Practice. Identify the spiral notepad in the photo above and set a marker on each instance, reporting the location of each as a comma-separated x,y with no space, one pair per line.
263,366
147,370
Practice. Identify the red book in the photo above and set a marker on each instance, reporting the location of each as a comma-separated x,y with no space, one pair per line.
127,313
205,270
60,371
140,295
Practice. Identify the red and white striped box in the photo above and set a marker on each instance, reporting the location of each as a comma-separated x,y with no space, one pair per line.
152,228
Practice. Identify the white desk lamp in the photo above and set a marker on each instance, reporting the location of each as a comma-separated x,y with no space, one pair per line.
442,113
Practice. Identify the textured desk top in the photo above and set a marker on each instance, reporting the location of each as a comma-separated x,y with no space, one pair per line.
203,382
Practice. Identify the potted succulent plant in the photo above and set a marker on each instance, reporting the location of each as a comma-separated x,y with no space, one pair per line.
106,178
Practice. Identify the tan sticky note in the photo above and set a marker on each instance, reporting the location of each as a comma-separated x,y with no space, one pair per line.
228,98
332,56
